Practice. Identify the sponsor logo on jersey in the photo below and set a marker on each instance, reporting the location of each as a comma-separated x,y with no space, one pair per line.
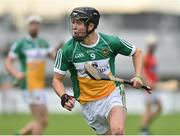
36,53
101,69
94,64
100,65
91,51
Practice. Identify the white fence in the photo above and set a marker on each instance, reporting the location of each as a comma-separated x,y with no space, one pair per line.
11,101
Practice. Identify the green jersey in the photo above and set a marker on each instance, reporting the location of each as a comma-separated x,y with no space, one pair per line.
32,54
101,55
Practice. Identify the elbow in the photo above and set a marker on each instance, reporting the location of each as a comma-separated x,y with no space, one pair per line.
57,80
54,82
138,51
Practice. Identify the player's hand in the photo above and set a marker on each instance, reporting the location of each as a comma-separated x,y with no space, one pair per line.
67,101
137,82
70,104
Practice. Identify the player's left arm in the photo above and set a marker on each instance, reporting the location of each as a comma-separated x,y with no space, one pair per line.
121,46
67,101
137,58
52,53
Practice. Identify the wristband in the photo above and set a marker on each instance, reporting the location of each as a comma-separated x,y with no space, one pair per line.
139,77
65,98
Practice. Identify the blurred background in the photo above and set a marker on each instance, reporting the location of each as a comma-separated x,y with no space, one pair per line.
133,20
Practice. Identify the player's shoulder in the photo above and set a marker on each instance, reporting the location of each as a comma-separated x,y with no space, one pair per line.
68,48
18,45
108,37
111,40
19,42
69,45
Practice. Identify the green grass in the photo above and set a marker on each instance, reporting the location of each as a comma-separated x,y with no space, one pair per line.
75,124
163,125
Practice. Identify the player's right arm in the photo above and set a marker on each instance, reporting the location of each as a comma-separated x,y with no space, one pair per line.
60,68
12,70
12,56
58,84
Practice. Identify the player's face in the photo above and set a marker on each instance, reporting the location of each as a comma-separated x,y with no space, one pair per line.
152,48
78,28
33,29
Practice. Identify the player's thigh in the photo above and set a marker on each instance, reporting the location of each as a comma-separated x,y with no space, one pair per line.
117,117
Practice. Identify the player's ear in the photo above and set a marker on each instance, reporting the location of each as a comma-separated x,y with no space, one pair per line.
91,26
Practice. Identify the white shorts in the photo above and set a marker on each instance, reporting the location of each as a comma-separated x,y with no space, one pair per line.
96,112
35,97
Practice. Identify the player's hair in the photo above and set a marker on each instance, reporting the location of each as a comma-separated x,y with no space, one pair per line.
33,18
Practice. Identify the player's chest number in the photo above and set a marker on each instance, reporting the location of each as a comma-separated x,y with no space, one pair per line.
93,56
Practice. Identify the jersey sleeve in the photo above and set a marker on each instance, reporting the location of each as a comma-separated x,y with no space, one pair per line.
121,46
14,50
61,62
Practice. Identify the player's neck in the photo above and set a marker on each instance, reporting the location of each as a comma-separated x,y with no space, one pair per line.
91,39
151,53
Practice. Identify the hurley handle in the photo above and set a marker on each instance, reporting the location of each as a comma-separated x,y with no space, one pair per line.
147,88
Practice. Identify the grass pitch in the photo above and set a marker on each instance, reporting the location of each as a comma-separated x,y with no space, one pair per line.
74,124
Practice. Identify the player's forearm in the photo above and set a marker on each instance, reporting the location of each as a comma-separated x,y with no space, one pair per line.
52,54
58,87
9,67
138,62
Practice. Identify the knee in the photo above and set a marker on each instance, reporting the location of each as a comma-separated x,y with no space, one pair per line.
159,110
117,131
159,107
45,121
